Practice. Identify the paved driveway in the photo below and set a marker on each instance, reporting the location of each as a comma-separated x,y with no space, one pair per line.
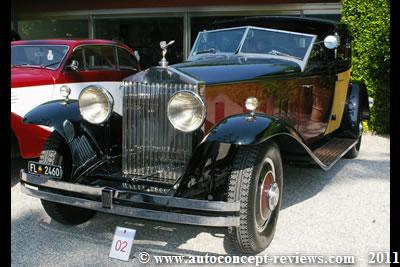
344,211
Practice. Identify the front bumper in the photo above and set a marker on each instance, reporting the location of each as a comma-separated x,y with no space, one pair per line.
133,204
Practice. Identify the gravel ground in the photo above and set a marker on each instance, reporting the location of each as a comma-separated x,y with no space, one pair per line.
344,211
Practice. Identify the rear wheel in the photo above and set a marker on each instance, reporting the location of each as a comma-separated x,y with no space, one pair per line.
355,150
56,152
256,182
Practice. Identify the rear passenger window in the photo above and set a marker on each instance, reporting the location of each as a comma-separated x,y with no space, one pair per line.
126,60
100,58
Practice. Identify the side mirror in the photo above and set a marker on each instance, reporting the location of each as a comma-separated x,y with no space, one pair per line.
331,41
137,56
74,65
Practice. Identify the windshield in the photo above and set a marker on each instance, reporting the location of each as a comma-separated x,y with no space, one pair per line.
220,41
262,42
49,56
279,43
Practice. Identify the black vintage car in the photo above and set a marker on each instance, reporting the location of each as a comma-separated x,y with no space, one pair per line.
202,142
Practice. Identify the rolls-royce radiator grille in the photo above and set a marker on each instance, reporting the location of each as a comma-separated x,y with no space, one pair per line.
152,148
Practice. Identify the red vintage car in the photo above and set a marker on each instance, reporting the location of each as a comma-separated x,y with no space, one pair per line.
45,70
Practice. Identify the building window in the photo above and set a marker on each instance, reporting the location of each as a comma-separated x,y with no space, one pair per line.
53,28
144,35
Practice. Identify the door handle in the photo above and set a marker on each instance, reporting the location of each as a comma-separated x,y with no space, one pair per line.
307,86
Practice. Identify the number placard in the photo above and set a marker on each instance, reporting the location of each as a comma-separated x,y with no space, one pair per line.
122,243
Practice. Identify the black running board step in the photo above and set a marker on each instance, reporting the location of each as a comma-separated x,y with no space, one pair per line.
333,150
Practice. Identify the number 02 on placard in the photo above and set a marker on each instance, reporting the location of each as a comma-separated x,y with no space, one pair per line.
122,243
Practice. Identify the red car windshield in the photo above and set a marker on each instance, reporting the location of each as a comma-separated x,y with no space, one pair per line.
47,56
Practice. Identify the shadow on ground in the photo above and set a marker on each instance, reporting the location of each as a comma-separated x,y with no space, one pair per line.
159,238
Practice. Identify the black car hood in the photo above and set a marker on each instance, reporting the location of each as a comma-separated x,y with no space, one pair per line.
225,69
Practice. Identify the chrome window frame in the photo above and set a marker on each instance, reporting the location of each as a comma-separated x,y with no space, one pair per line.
301,63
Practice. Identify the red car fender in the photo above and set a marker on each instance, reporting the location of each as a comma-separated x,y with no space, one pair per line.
31,138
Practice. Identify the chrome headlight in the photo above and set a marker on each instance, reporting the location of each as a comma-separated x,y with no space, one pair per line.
95,104
186,111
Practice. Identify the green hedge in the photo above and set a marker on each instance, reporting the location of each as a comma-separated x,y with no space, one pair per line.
369,22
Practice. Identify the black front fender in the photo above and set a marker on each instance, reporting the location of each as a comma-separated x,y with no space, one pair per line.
102,140
209,166
53,114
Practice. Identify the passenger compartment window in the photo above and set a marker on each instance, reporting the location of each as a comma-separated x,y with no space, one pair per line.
126,60
100,58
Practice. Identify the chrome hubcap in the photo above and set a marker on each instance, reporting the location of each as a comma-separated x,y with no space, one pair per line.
265,209
273,196
267,195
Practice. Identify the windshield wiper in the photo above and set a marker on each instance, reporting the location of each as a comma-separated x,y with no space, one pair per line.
279,53
20,65
48,65
211,50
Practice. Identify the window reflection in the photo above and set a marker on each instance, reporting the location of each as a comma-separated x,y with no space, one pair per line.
53,28
144,35
276,43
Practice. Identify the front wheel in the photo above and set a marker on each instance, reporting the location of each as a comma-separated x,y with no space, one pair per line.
56,152
256,182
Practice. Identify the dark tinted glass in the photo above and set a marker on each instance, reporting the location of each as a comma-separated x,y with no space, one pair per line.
126,60
145,35
100,57
53,28
276,43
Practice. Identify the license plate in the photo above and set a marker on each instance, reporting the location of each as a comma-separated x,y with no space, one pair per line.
45,169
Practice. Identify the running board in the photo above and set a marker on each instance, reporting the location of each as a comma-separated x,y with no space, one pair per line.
327,154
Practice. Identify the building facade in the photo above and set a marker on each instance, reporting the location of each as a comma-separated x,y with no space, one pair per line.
143,24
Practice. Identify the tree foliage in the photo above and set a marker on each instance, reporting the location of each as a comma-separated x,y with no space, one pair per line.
369,22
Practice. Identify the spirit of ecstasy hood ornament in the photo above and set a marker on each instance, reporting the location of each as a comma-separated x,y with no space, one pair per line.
164,46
